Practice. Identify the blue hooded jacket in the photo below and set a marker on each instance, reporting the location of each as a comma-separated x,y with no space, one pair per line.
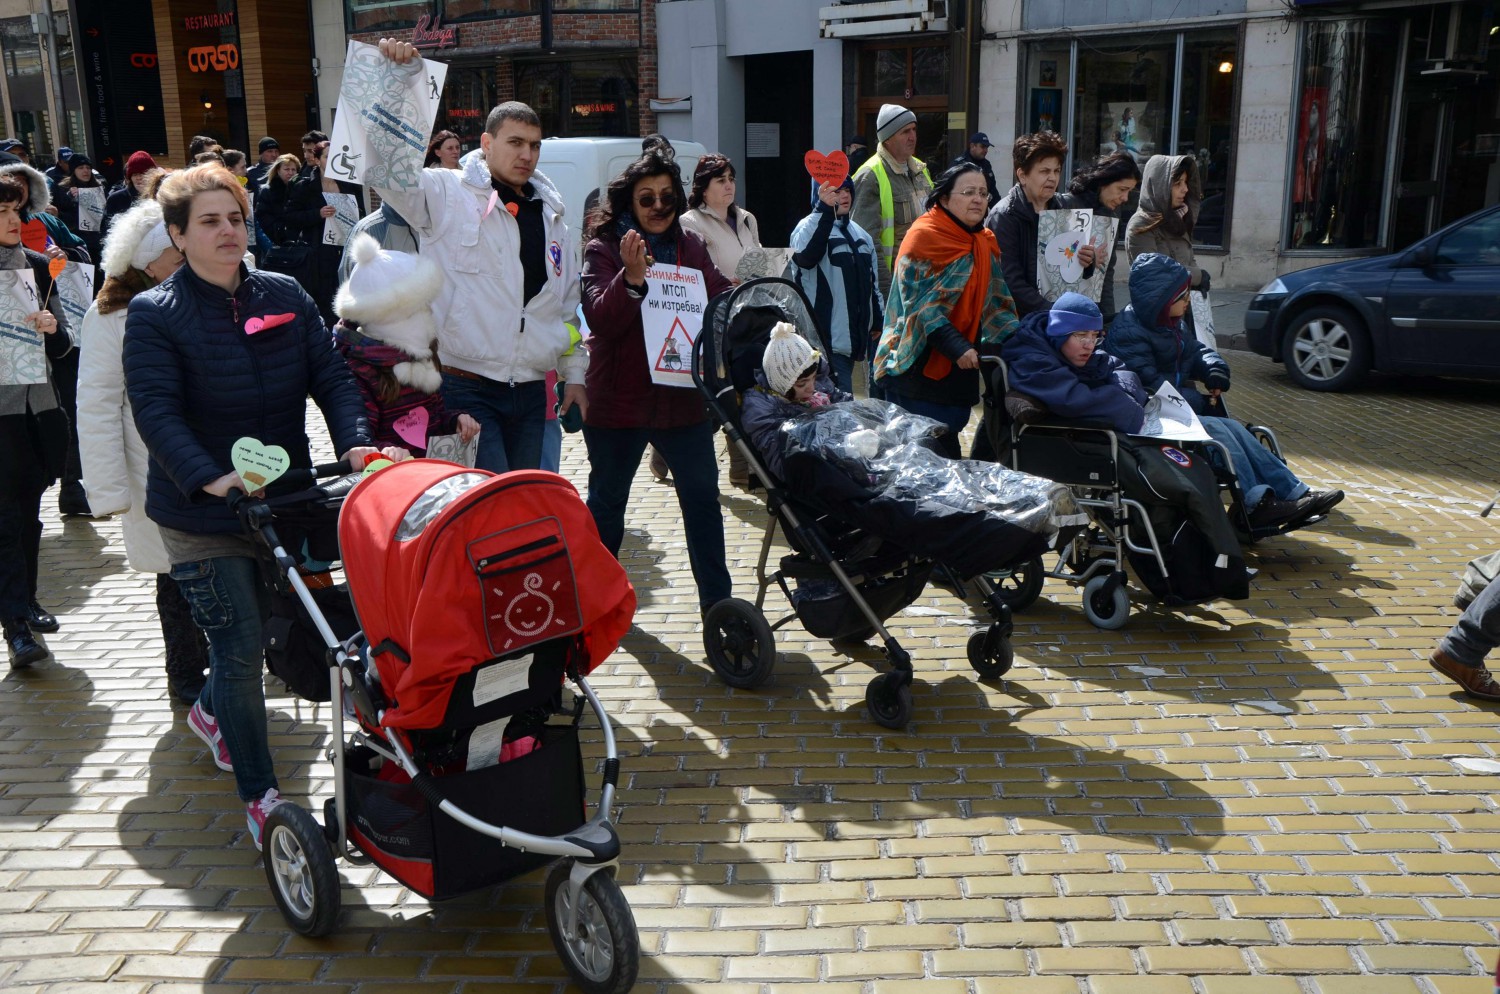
1102,390
1157,348
833,260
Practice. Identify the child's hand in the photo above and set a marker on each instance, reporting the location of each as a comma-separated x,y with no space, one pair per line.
467,428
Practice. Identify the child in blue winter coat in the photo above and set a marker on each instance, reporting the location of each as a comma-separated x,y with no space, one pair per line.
793,379
1151,338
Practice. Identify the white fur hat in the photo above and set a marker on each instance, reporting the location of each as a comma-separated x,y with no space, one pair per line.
385,285
135,239
787,357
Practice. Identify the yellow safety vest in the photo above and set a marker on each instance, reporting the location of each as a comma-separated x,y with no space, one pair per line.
875,164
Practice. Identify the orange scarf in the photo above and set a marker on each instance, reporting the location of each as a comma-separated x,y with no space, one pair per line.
940,240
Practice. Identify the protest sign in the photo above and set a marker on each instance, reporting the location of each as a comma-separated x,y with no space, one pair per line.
384,116
1169,416
672,316
74,286
23,358
1059,235
90,208
346,213
452,448
832,169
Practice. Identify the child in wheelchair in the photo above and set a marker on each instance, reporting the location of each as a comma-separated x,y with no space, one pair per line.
1149,338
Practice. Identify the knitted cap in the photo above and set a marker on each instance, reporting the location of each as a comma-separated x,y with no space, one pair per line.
1072,312
385,284
267,143
788,355
139,162
891,119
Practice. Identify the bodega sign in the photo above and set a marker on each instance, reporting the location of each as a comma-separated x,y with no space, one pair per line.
431,33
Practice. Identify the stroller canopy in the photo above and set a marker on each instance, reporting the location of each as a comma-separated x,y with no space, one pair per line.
450,568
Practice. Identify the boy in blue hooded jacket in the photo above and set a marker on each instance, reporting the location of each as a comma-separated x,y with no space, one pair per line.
1150,337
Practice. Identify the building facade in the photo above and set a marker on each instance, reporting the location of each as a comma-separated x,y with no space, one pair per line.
39,90
583,65
1323,131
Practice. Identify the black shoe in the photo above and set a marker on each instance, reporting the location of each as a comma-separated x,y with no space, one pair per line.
186,691
1324,501
40,621
73,501
24,649
1272,512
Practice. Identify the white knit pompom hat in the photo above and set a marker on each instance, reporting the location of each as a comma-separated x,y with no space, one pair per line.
385,284
788,355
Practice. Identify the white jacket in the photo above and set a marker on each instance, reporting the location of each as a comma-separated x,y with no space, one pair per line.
114,457
477,245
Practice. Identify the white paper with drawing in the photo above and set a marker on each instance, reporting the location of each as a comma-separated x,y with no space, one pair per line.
1060,235
90,208
346,214
384,117
23,357
75,289
1169,416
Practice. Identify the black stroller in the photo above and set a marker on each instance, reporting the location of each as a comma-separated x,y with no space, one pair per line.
863,577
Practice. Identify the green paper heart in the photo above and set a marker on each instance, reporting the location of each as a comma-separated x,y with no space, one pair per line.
257,463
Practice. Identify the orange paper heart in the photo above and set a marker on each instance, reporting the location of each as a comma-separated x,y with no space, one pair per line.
831,169
56,267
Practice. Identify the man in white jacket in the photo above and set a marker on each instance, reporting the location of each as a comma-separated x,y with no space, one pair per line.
495,227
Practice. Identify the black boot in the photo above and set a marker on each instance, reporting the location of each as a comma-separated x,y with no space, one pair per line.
72,500
40,621
23,645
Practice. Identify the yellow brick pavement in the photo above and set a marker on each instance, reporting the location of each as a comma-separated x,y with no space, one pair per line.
1256,798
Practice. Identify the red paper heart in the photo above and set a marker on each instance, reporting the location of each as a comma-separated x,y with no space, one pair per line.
256,325
831,169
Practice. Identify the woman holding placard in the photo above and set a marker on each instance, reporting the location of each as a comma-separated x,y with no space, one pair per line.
638,254
33,427
219,363
1103,187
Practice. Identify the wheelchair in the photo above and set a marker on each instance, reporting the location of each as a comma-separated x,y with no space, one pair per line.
1086,459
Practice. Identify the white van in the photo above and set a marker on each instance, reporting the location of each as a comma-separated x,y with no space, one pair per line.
581,169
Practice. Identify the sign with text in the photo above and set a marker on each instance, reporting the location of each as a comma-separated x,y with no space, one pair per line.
345,215
384,116
672,316
23,358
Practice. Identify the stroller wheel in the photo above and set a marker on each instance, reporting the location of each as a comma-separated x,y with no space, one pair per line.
595,935
1020,587
889,702
300,869
990,653
739,643
1105,603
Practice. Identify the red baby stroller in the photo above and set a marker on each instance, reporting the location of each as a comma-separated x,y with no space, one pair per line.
479,594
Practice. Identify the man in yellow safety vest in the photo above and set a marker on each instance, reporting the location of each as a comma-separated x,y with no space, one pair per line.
891,187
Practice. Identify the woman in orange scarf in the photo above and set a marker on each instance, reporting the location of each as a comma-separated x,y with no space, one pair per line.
948,300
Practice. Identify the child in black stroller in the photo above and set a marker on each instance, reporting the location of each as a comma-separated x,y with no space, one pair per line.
869,508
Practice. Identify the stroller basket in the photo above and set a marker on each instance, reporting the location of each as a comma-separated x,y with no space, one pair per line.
828,612
406,835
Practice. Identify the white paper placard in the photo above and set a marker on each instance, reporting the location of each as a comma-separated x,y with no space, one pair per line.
346,214
23,357
672,316
452,448
384,117
1169,416
75,290
1059,235
90,208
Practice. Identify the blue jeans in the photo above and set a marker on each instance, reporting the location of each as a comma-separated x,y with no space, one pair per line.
226,597
552,445
1478,629
1256,466
512,419
615,455
954,416
842,368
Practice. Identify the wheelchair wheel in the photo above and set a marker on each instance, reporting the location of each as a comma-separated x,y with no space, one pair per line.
889,701
1106,604
596,937
1020,587
990,653
300,869
739,642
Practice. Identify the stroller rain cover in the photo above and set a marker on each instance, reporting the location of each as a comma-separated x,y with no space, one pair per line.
451,568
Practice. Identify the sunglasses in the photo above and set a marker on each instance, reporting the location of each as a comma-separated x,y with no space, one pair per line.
648,201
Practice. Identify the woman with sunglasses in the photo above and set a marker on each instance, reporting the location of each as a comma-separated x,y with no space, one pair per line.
634,227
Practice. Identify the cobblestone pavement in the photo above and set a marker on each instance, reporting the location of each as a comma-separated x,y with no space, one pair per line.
1258,797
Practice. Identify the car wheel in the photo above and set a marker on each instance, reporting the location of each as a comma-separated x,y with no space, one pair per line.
1327,348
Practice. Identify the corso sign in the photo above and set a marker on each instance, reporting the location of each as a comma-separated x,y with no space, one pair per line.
215,57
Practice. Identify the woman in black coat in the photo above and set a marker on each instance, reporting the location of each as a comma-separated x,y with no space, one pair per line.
33,429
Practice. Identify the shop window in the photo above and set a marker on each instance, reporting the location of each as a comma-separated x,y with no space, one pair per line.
468,96
1342,133
917,77
593,98
1205,123
22,47
481,10
384,15
574,6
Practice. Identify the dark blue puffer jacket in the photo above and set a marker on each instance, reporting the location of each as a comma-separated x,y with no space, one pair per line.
1100,391
1152,346
198,382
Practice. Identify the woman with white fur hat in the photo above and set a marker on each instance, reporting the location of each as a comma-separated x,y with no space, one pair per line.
137,255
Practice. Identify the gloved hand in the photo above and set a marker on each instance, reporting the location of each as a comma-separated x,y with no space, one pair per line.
1203,283
1217,380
